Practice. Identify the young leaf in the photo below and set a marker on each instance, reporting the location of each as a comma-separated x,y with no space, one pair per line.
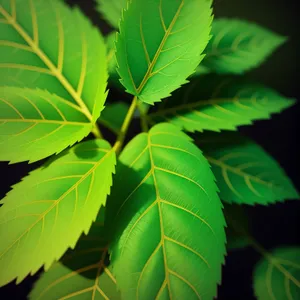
160,45
245,173
170,199
82,273
114,115
46,213
238,46
237,226
210,103
44,44
277,276
36,124
111,10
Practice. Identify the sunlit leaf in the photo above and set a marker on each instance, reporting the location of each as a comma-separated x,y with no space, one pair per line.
44,44
211,103
245,172
277,276
82,273
160,44
48,210
35,124
169,239
237,46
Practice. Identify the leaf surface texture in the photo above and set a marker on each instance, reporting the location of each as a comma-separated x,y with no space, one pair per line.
160,44
45,214
278,276
82,273
44,44
35,124
218,103
245,173
169,228
237,46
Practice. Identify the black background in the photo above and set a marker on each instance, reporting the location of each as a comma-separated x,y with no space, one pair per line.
273,225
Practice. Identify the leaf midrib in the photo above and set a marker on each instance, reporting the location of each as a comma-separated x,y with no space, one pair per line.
237,171
45,121
158,52
12,21
56,202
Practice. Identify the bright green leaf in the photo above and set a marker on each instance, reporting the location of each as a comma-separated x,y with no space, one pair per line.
169,239
111,10
44,44
245,172
114,115
238,46
160,45
36,124
211,103
277,276
82,273
46,213
237,226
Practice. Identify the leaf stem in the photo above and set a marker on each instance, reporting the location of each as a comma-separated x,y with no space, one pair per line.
121,137
144,123
96,132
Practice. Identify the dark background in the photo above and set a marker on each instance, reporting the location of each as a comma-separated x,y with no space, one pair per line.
273,225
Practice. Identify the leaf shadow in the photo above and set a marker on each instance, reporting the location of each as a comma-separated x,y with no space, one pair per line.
90,258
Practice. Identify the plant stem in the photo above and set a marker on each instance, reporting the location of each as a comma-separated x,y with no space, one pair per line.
121,137
144,124
96,131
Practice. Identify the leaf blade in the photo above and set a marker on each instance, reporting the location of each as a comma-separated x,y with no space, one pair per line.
82,272
36,124
238,46
154,196
58,202
281,267
54,66
145,64
245,173
224,104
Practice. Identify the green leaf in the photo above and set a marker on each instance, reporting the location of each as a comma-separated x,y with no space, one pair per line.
238,226
169,227
82,273
35,124
160,45
111,10
245,172
44,44
111,61
211,103
277,276
114,115
238,46
46,213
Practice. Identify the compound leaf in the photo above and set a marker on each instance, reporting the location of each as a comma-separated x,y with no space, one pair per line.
245,173
111,10
214,104
237,46
44,44
169,226
160,45
46,213
35,124
82,273
277,276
